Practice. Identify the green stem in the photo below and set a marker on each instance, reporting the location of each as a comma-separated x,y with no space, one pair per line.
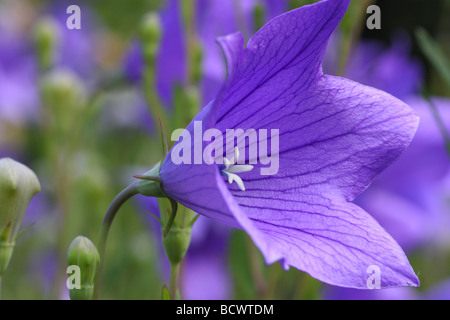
0,287
151,96
117,203
440,123
353,37
174,276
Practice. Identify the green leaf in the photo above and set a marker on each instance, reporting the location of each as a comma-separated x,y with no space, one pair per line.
4,234
434,54
23,231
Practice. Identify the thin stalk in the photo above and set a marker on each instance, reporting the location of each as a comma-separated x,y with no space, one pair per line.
351,39
440,123
152,98
117,203
174,276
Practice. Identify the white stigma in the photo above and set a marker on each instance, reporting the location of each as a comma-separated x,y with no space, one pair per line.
232,168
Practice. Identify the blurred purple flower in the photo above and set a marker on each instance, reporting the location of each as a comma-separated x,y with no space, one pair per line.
18,91
440,291
391,69
76,47
336,293
206,275
337,135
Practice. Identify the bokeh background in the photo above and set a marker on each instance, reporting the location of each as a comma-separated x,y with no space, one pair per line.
78,107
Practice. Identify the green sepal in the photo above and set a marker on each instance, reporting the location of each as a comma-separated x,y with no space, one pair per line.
165,293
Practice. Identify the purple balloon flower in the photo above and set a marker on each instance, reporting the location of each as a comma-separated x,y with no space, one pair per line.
336,137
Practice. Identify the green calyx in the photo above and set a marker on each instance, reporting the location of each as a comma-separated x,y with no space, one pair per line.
149,184
176,243
6,251
150,35
46,36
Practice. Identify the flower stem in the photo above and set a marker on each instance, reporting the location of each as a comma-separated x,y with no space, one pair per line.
117,203
0,287
440,123
174,276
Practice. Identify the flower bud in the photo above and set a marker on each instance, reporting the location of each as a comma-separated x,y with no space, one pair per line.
46,36
63,89
176,243
63,96
84,261
150,34
18,185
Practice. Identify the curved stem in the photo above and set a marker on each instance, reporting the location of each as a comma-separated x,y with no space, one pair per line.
117,203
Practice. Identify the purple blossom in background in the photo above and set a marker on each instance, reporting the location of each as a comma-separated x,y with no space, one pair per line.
336,136
206,275
18,92
76,48
389,69
439,292
336,293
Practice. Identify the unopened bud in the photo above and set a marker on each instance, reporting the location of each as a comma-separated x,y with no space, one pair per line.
83,260
150,34
46,37
18,185
176,243
64,97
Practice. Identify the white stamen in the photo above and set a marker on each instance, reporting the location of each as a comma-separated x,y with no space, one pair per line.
231,168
